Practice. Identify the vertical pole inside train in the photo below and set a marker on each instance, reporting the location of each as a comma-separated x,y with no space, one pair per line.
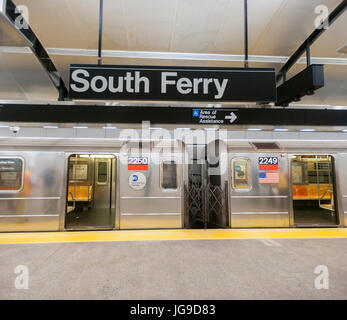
246,32
101,18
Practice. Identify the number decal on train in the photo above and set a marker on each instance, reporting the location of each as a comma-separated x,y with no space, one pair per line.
138,163
268,160
137,160
268,163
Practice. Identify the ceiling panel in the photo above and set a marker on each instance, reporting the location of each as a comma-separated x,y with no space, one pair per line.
197,24
230,37
290,26
115,34
64,23
276,28
332,39
22,77
9,36
149,24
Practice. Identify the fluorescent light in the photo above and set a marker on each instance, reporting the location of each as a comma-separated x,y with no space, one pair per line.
103,156
50,127
182,128
307,130
80,127
281,129
254,129
152,128
109,128
4,127
211,129
344,130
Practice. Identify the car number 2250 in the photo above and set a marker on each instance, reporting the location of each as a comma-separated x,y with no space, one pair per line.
137,160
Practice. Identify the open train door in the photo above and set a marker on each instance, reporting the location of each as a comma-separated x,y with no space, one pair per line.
313,190
206,194
90,201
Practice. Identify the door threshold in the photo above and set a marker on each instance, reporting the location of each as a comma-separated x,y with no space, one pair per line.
90,229
315,226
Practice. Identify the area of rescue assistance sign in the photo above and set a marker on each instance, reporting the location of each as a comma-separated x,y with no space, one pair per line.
151,83
213,116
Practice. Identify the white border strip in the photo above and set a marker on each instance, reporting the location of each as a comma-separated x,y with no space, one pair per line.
32,198
256,197
27,215
189,56
259,213
152,214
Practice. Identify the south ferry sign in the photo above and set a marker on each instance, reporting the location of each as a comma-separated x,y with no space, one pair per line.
151,83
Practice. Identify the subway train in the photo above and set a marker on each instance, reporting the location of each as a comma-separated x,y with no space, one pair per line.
102,178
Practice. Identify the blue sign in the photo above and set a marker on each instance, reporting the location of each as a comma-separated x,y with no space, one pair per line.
196,113
135,177
262,175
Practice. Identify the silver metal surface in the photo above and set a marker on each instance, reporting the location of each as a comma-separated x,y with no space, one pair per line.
41,204
263,205
38,205
151,207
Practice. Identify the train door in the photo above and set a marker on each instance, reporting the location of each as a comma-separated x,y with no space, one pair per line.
313,190
91,188
206,191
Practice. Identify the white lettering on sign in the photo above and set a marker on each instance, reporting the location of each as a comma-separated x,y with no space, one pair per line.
75,77
209,116
100,84
133,82
185,85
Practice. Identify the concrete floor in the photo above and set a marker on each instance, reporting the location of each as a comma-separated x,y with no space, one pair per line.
196,269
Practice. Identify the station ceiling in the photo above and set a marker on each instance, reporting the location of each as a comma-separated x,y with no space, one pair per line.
171,32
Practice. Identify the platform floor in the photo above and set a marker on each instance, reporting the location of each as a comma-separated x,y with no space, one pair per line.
261,265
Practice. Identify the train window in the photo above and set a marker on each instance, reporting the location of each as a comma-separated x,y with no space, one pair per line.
102,172
241,174
169,175
11,174
78,171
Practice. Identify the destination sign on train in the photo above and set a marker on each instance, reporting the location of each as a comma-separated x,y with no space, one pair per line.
105,82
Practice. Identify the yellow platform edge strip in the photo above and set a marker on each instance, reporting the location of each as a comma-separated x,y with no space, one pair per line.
162,235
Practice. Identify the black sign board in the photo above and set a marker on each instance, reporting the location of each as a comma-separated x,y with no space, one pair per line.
107,82
10,165
214,116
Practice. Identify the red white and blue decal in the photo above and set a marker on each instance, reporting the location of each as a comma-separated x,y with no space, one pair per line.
269,177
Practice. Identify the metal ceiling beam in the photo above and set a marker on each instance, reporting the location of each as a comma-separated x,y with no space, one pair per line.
38,50
338,11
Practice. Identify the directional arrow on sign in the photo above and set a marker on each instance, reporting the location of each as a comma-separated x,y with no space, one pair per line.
232,117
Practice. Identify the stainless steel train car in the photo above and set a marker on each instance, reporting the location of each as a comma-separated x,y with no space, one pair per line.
79,178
